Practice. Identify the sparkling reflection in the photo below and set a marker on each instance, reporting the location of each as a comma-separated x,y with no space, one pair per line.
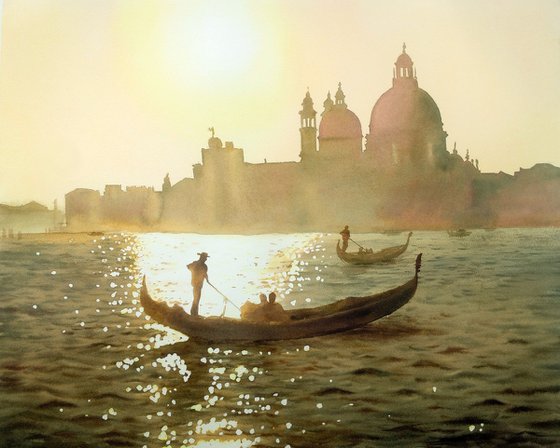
214,389
199,395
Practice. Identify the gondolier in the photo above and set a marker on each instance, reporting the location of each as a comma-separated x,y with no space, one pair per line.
199,273
345,233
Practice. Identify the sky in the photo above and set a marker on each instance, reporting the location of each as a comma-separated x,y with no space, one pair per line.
96,92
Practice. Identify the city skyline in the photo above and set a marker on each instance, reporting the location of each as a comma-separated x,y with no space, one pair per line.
108,93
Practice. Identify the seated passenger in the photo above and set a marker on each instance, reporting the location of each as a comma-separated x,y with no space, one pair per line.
274,312
252,311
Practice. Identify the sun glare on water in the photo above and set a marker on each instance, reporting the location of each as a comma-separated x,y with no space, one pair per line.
239,267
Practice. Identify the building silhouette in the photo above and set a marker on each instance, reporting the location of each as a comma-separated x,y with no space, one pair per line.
403,177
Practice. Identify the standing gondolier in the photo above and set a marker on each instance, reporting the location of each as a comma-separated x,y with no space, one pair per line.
199,273
345,233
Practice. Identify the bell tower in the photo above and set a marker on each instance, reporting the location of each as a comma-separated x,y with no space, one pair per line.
308,129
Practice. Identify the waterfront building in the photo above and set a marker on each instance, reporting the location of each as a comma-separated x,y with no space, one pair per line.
403,177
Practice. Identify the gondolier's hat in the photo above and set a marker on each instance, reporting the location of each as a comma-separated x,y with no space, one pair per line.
203,254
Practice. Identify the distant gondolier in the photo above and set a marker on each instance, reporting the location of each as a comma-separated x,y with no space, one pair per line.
345,233
199,273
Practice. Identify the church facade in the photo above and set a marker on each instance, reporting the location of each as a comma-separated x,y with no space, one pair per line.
402,177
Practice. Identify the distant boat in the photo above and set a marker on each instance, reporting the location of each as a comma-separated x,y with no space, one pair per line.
391,232
343,315
383,256
459,232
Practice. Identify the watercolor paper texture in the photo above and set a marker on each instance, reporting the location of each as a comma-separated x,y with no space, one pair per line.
304,150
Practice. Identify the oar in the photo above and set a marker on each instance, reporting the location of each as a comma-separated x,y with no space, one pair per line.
356,243
223,295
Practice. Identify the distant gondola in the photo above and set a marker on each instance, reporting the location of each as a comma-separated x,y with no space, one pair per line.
383,256
343,315
458,232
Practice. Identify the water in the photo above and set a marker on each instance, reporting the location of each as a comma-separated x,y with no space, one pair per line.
472,360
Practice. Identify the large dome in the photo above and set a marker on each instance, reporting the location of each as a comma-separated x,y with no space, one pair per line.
340,123
401,109
405,127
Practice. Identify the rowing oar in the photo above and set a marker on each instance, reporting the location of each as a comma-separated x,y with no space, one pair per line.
224,296
356,243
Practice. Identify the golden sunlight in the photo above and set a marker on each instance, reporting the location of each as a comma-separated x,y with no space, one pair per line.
189,61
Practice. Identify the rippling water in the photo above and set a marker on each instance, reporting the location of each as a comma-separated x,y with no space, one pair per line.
472,360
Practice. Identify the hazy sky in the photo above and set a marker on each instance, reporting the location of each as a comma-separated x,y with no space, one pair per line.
96,92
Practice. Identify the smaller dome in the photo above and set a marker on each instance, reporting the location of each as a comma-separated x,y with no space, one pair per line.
340,123
214,143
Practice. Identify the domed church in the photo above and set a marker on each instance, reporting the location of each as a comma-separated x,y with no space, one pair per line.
405,128
340,131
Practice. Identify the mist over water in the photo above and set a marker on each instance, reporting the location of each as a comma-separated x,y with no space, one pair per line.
470,361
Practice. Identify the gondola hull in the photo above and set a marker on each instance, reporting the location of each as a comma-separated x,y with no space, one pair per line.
344,315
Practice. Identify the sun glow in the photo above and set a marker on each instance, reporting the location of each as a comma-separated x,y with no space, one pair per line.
216,44
221,46
191,61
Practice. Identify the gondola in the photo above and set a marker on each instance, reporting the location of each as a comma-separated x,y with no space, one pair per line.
458,232
383,256
343,315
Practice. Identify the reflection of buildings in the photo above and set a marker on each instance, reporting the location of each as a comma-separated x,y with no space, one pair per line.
404,177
